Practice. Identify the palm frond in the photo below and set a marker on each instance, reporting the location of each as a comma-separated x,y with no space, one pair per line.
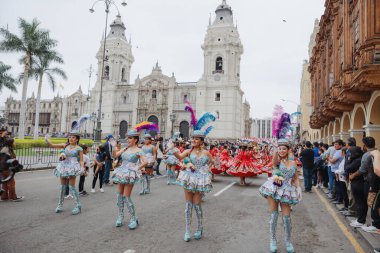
6,80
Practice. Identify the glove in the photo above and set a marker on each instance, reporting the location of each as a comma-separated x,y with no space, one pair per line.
299,193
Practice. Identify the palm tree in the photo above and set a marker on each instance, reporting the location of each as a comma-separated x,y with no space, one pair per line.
32,42
42,66
6,80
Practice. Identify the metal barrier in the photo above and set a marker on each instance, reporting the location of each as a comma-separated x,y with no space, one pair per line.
39,157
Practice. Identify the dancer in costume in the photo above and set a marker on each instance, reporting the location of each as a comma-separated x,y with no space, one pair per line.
151,155
129,173
195,177
225,159
171,162
216,168
242,166
283,189
71,165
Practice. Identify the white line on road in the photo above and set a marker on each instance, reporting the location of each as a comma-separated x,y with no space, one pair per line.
224,189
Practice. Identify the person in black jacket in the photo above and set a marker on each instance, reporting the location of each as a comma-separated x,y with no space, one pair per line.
357,185
307,159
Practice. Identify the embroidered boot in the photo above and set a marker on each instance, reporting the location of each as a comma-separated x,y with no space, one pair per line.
288,231
198,233
273,228
188,213
61,199
78,208
133,222
120,205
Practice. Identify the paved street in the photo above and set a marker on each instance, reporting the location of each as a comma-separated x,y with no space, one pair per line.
236,220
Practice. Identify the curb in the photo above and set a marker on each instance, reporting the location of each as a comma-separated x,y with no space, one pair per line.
371,239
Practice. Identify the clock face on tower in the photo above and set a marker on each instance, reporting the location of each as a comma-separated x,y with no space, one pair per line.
217,77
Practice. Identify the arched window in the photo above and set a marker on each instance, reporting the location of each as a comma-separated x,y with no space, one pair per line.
154,94
123,74
217,114
107,72
124,99
219,65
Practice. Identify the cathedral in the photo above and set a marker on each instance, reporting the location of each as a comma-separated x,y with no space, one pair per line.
157,97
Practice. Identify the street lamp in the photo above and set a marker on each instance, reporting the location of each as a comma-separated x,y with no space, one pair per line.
172,117
108,4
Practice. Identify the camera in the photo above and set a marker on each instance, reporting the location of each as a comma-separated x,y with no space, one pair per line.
7,163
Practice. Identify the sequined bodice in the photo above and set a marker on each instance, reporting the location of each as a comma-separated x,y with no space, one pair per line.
199,161
286,173
147,149
73,153
131,157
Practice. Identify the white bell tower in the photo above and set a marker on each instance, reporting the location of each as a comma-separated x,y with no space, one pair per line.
222,48
119,58
219,90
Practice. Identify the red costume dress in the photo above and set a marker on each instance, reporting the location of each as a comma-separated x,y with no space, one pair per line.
216,168
243,166
225,160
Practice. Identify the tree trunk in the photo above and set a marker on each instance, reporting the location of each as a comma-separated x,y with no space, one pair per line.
21,131
37,118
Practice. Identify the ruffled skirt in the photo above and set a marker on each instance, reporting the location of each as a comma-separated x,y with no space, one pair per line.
286,194
70,167
127,173
197,181
217,168
171,160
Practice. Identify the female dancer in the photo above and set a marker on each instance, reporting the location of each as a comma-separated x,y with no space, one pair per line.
282,189
150,152
72,165
242,166
225,158
195,179
171,163
127,175
216,169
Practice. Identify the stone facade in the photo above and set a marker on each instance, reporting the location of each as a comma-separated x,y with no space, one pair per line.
158,97
306,109
344,68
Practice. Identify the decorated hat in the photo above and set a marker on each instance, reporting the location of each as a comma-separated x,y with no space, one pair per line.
133,133
198,133
283,142
147,136
74,132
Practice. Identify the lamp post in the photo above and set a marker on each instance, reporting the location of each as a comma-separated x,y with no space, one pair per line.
172,117
108,4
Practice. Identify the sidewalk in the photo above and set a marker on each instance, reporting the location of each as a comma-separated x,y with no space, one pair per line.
372,239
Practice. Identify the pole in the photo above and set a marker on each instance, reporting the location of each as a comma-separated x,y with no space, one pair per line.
99,123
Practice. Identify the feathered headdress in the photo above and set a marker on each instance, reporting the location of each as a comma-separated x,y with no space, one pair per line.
283,126
192,113
277,112
80,122
149,126
206,118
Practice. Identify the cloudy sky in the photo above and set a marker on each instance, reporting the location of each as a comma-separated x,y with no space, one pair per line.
275,35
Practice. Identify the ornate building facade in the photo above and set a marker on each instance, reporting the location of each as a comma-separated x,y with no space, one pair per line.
306,132
160,98
345,71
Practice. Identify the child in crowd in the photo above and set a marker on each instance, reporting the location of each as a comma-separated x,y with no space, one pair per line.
86,160
99,162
